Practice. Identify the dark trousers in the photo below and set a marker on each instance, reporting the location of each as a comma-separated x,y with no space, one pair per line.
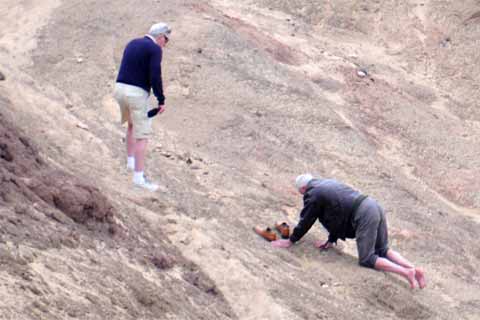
371,232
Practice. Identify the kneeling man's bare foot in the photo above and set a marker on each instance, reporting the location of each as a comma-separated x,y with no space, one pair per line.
420,277
411,274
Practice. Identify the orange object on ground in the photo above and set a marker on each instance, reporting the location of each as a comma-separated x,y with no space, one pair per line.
267,233
283,228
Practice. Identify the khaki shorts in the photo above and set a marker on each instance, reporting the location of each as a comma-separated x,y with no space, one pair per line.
134,106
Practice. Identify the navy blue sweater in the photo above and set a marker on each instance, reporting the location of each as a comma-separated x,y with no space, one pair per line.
141,67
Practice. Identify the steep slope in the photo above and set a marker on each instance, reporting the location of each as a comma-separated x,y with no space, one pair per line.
65,252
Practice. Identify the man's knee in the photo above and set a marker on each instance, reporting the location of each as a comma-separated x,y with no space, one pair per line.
368,261
382,252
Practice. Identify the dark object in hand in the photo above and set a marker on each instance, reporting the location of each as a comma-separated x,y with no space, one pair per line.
153,112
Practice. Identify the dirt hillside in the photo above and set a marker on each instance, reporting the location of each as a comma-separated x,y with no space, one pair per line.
257,93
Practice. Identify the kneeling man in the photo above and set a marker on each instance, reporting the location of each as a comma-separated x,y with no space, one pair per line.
346,213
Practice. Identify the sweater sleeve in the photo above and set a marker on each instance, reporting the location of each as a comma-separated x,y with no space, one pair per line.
307,219
156,76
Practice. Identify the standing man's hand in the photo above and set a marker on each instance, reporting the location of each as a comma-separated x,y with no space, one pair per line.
282,243
323,245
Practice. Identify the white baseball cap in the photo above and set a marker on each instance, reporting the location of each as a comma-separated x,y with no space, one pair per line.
302,180
158,29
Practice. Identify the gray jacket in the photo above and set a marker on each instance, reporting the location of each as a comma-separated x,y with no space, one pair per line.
330,202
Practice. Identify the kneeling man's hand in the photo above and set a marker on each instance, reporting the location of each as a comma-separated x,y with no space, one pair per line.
282,243
323,245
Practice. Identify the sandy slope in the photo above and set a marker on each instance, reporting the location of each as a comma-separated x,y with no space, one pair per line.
258,91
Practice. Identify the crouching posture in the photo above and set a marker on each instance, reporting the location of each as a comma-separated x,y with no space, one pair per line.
346,213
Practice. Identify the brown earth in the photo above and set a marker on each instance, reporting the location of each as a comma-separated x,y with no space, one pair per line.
257,92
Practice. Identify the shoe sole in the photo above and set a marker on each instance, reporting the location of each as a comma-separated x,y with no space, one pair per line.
269,236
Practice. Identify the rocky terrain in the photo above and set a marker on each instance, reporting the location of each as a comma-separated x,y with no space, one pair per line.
257,93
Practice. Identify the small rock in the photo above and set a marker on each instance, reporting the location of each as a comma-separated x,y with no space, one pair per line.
93,299
212,291
2,76
189,161
27,276
83,126
72,313
443,214
21,209
199,50
79,60
113,229
362,73
40,306
14,221
57,216
35,290
145,299
163,262
185,91
445,42
69,106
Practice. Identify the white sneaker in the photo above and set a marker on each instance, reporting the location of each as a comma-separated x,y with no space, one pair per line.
145,184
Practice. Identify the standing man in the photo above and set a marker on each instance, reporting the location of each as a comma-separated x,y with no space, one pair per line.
346,213
140,72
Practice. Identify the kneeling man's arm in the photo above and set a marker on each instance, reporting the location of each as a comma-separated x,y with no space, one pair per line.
307,219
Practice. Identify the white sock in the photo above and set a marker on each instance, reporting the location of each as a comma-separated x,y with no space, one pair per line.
138,177
131,162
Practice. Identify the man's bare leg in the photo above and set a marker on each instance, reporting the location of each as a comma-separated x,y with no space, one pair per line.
140,147
130,145
387,265
398,259
130,141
